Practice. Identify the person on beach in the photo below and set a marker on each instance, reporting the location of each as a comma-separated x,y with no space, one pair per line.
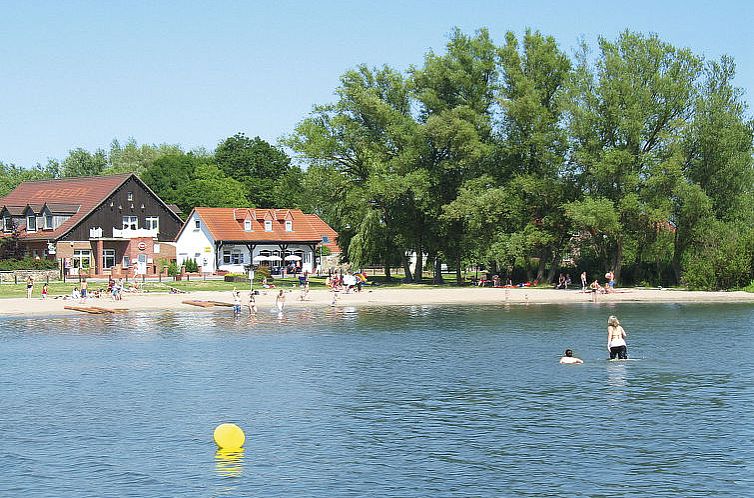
44,291
616,339
583,281
304,292
610,284
569,359
252,304
84,286
280,300
29,287
75,294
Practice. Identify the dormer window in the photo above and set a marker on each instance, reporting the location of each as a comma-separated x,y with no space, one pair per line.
7,224
267,225
288,226
48,222
247,225
31,223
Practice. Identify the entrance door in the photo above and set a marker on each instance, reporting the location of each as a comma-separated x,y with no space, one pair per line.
141,264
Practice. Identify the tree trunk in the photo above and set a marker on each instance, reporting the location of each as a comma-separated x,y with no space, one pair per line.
617,260
437,280
406,268
419,268
387,273
459,275
542,264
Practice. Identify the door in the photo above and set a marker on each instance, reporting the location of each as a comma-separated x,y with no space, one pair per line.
141,264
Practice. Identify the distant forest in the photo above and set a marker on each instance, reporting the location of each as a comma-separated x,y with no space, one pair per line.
633,156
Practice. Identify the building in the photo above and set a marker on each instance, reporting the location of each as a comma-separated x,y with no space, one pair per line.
97,226
230,239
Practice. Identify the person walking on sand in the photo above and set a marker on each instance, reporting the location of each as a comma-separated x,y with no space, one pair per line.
569,359
280,300
29,287
583,281
44,291
616,339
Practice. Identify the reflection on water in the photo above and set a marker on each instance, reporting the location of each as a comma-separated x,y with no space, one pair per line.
229,463
407,401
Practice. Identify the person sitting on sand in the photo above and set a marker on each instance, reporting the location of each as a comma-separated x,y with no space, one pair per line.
569,359
596,287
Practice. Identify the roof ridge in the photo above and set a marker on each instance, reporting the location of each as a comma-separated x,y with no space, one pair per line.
79,178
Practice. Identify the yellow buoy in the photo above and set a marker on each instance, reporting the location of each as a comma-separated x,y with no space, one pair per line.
229,436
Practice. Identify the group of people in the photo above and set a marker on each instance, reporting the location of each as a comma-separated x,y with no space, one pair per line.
595,286
616,344
348,282
252,303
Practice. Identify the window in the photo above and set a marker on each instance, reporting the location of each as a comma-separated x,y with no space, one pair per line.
234,257
247,225
126,261
108,258
82,258
31,223
267,225
152,223
8,224
130,196
288,226
197,224
156,249
130,223
48,222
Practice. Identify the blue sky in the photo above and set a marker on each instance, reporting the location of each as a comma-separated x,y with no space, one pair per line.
78,74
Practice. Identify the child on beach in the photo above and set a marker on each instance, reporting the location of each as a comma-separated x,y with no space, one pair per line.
44,291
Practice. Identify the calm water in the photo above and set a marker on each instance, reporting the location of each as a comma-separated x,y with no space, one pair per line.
414,401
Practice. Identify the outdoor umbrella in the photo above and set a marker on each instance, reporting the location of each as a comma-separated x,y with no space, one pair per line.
274,258
293,257
260,258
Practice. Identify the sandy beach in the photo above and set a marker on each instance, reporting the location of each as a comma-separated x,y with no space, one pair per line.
372,297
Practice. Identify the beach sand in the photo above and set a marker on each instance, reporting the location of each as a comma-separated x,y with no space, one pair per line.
372,297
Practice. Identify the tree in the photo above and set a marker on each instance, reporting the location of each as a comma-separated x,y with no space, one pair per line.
256,164
210,187
135,158
80,162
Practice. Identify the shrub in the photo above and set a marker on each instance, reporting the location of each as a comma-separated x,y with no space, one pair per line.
28,264
720,258
173,269
191,266
261,273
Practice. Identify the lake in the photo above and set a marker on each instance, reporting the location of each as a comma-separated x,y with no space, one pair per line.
404,401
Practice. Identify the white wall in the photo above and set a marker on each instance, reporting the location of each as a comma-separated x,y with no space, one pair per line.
194,241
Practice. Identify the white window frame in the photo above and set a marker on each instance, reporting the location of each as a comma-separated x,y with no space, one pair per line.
31,220
49,222
267,225
108,256
126,261
197,224
130,196
130,222
152,223
81,255
288,226
247,225
7,224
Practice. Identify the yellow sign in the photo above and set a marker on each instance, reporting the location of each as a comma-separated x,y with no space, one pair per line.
207,249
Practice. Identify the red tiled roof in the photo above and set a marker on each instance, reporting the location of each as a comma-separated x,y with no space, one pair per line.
86,192
228,224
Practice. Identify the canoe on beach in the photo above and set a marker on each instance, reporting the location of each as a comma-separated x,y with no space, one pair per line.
95,310
207,304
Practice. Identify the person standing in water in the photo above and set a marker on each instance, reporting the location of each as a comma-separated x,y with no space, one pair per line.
616,339
236,302
280,300
252,304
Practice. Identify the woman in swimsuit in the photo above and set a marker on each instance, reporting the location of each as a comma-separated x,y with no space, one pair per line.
616,339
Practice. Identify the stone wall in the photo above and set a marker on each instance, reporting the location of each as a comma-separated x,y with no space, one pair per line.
20,276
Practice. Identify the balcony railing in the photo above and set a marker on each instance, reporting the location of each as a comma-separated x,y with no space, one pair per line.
128,233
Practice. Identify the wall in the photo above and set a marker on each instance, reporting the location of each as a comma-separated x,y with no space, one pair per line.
193,241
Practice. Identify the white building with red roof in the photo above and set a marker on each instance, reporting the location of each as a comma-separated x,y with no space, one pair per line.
230,239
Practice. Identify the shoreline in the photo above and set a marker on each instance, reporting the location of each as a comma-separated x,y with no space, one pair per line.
23,307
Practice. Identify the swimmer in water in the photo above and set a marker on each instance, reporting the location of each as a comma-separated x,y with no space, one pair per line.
569,359
616,339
